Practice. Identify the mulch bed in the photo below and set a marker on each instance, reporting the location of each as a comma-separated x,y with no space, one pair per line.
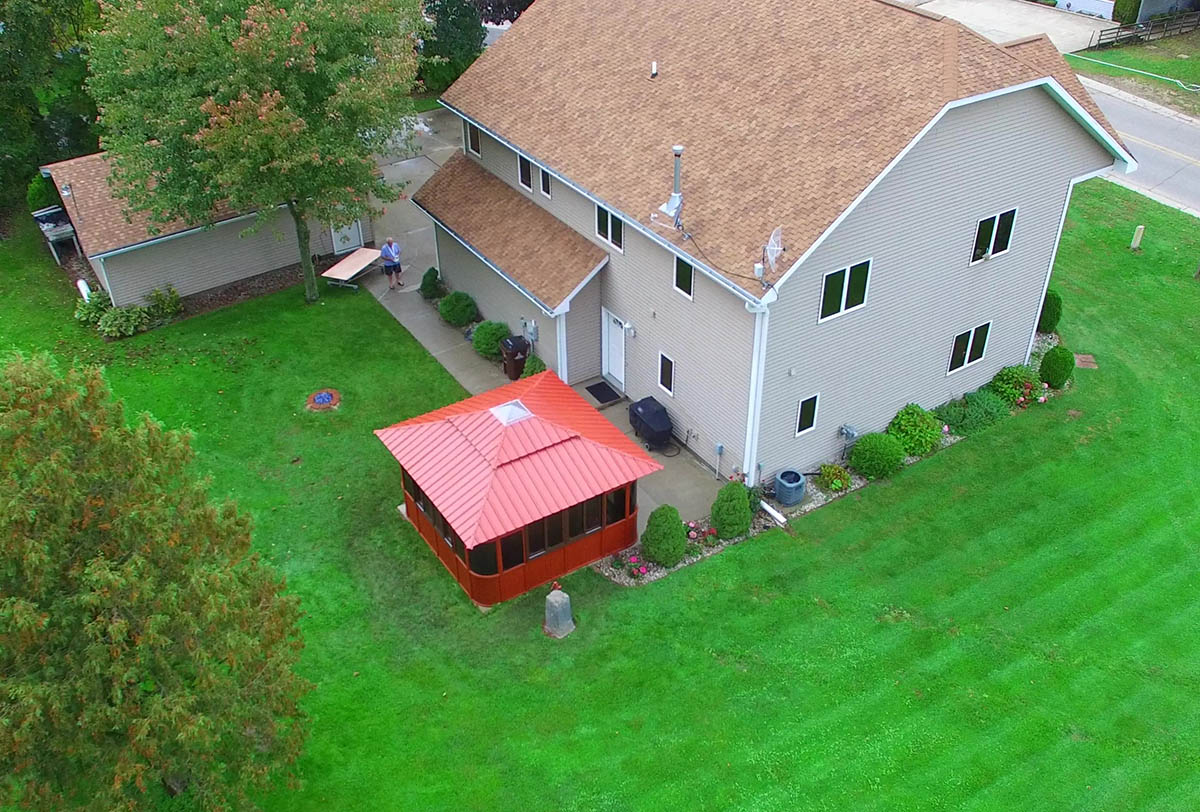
251,287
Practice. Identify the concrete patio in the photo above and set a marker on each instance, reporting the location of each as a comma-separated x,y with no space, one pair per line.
684,481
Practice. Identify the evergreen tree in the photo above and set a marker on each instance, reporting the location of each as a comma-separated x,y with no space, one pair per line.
455,42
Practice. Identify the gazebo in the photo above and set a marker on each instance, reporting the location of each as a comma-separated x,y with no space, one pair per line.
517,486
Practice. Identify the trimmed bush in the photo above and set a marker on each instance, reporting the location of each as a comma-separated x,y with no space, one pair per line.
431,285
122,322
165,304
665,539
1012,383
458,309
1051,312
731,511
533,365
1126,12
487,337
877,455
91,311
980,410
1058,365
833,478
916,429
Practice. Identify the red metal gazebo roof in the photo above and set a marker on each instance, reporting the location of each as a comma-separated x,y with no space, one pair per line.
495,462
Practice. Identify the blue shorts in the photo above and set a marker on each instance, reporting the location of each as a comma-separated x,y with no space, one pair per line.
391,269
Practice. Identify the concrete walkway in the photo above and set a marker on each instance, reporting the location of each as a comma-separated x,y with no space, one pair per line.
684,482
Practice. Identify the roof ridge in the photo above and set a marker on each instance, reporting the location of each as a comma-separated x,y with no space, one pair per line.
1023,40
995,46
909,7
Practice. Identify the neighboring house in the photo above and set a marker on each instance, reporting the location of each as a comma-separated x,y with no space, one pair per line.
920,175
130,260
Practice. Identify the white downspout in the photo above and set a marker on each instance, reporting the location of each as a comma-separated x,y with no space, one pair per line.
560,331
757,370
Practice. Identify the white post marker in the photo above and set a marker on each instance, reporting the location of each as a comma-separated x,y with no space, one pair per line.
1136,245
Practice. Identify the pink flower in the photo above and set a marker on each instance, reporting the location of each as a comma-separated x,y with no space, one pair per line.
1021,399
642,570
712,531
633,559
1045,385
945,429
1042,399
692,534
692,524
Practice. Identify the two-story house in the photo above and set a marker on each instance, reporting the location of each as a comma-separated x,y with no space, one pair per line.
919,176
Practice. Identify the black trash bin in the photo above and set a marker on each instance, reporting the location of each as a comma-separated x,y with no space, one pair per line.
651,422
514,350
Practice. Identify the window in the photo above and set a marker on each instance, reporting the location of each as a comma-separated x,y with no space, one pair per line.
525,172
585,517
666,374
993,235
610,228
410,487
806,415
482,559
471,137
632,497
512,550
844,289
545,178
544,534
614,506
684,276
969,347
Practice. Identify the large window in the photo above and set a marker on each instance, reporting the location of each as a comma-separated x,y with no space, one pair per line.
685,276
610,228
471,137
545,179
585,517
969,347
666,374
614,506
544,534
482,559
844,289
993,235
525,172
512,550
806,415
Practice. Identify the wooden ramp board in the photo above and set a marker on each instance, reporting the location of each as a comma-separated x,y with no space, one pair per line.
344,270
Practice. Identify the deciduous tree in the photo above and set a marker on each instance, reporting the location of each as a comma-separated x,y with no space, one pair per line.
250,104
144,650
501,11
454,43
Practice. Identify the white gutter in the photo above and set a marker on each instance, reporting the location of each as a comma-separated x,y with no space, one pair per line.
717,277
758,361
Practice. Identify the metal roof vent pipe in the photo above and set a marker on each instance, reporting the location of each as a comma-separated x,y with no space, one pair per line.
674,205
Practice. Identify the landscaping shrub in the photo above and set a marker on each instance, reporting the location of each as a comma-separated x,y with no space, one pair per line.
877,455
165,304
1058,365
731,512
980,410
916,429
41,194
91,311
1126,12
533,365
665,539
431,285
458,309
122,322
951,414
1051,312
833,478
487,337
1013,383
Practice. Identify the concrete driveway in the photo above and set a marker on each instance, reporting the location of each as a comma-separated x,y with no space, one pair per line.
1006,20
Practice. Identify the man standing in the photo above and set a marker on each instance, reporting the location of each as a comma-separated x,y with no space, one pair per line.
391,263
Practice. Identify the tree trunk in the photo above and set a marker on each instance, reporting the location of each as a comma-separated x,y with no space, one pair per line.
311,294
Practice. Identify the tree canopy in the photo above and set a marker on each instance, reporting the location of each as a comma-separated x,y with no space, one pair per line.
144,650
454,43
246,105
501,11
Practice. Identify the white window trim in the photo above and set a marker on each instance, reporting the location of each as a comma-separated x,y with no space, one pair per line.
816,412
658,376
970,341
520,158
1016,213
846,290
606,240
545,179
675,260
467,139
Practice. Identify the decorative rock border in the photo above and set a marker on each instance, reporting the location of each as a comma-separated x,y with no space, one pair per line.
323,400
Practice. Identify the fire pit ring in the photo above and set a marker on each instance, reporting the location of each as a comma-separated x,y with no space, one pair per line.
323,400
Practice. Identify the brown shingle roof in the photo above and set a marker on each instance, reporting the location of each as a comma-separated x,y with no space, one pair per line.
787,111
533,248
98,216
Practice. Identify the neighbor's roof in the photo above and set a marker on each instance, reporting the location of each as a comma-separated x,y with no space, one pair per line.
495,462
530,246
98,216
787,111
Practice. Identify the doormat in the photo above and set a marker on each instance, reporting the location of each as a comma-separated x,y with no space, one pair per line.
603,393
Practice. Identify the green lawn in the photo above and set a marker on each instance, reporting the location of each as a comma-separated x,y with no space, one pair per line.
1008,625
1174,57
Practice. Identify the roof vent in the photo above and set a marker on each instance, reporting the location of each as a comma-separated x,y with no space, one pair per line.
653,69
674,205
512,412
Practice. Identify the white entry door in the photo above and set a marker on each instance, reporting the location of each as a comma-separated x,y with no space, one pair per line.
347,238
613,340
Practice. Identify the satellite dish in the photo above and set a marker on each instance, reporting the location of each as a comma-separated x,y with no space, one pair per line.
774,247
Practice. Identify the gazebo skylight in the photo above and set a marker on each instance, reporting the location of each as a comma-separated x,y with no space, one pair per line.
512,412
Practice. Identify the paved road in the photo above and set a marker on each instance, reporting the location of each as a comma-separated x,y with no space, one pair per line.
1166,147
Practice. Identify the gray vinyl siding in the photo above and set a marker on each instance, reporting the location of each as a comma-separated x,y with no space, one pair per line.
710,338
207,259
918,227
496,298
583,332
